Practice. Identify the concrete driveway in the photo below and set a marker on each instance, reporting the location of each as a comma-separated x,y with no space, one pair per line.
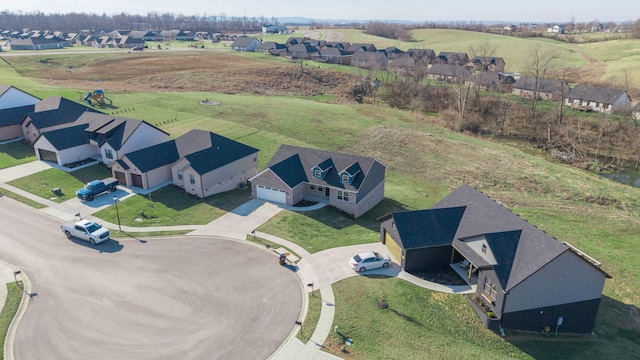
335,261
166,298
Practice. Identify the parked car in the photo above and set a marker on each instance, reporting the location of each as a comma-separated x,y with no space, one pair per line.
138,48
369,260
97,187
86,230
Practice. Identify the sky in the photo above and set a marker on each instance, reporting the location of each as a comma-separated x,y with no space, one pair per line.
414,10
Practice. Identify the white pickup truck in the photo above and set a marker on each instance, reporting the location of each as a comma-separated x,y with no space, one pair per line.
86,230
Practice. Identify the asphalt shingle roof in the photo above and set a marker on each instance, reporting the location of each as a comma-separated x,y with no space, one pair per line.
14,116
154,156
223,151
68,137
427,228
595,93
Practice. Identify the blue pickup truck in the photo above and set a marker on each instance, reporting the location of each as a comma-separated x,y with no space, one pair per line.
97,187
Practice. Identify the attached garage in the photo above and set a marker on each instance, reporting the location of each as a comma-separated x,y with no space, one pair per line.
136,180
393,246
46,155
269,194
120,176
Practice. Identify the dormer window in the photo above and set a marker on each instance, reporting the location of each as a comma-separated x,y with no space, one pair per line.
317,173
345,179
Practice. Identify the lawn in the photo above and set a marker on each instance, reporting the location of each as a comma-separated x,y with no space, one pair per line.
170,206
42,182
14,295
15,153
444,326
22,199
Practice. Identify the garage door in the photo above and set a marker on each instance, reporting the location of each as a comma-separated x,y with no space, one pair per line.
136,180
122,178
393,247
46,155
269,194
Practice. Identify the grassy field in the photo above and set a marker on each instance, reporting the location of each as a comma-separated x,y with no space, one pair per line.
41,183
22,199
424,163
15,153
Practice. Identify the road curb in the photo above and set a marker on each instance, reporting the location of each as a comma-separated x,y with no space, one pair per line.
22,309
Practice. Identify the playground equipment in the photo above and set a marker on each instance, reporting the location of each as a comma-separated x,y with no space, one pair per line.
96,96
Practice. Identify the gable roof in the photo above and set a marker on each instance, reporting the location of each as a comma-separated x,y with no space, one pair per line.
484,216
294,165
596,93
427,228
545,85
457,71
67,137
154,156
222,151
369,56
110,129
244,41
15,115
56,110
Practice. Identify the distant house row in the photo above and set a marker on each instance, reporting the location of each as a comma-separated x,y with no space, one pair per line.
487,72
202,163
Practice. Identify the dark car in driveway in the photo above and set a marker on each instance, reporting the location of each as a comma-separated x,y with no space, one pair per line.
138,48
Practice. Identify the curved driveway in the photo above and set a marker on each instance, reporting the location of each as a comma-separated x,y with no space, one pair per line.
171,298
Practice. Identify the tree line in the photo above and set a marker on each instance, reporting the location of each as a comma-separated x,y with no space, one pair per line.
74,22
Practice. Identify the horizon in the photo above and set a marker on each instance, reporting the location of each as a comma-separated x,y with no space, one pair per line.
542,11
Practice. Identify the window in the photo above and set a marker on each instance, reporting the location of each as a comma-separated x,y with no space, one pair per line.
255,158
192,178
312,187
108,153
343,195
317,173
180,175
346,179
490,289
484,248
320,188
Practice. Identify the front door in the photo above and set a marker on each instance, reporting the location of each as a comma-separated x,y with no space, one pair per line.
326,192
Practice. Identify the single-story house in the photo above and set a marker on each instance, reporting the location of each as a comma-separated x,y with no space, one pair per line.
96,135
185,35
38,43
301,51
332,55
488,63
422,56
494,81
352,184
271,47
10,120
548,89
529,280
51,113
353,48
245,43
13,97
370,60
201,162
449,73
451,58
598,98
129,42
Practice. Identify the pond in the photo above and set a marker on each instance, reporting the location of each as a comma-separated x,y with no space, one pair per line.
627,177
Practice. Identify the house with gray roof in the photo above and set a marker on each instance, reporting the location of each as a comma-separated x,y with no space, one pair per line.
51,113
352,184
332,55
301,51
370,60
96,135
452,58
245,43
10,120
527,278
597,98
449,73
200,162
487,63
546,88
271,47
38,43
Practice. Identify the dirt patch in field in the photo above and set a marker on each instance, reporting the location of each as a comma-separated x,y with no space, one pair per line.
206,71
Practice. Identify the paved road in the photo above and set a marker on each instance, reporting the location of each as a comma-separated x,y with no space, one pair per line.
173,298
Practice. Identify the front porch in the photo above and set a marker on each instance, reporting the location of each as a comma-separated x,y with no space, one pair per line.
466,271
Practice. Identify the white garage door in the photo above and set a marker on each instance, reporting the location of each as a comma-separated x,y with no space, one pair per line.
269,194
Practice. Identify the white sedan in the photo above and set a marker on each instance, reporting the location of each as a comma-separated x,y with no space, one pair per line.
369,260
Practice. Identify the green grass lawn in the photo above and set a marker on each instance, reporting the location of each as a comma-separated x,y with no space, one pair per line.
22,199
14,295
42,182
15,153
169,206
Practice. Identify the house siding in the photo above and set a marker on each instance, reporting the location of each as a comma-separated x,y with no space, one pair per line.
10,132
76,154
228,177
567,279
577,318
370,200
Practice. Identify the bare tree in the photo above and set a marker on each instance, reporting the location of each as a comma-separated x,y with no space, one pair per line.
540,63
